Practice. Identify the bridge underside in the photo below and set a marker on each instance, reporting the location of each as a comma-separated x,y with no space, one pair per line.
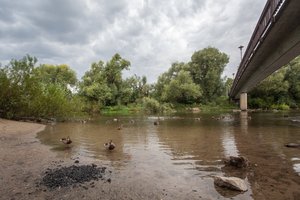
279,46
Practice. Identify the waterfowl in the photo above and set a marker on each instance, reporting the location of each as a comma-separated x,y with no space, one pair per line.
110,145
120,127
66,140
292,145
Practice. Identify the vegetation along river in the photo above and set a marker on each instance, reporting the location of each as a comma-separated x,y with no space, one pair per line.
179,157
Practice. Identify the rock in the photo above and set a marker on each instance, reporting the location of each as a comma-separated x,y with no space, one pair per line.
156,123
239,162
232,183
292,145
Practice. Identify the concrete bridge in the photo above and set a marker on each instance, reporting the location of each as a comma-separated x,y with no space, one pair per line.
274,42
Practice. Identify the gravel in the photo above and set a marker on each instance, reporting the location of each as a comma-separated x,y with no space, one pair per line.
73,175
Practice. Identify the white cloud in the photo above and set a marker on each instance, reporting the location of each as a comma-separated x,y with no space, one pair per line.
150,33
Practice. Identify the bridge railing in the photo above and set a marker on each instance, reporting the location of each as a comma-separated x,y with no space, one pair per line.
267,18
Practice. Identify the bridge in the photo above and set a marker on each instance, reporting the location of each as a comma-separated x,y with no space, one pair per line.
274,42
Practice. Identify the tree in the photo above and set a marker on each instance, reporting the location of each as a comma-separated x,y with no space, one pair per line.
102,84
93,87
18,87
271,91
293,77
166,77
206,68
56,74
113,74
134,89
181,89
24,92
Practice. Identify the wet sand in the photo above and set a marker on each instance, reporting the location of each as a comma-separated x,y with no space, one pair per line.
23,163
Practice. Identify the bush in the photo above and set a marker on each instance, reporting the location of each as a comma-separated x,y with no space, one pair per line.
167,108
257,103
151,105
280,107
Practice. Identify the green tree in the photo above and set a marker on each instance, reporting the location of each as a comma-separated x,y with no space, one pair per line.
94,88
56,74
293,77
102,85
206,68
18,87
271,91
181,89
23,94
165,78
113,74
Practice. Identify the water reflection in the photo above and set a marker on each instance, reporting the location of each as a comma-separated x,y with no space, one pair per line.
185,152
228,142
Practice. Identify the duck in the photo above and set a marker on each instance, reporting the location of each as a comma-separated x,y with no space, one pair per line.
110,145
66,140
120,127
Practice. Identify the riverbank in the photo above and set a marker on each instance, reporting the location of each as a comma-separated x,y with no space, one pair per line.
24,163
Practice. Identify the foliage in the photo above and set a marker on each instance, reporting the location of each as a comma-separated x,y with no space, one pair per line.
56,74
206,68
24,94
181,89
151,105
103,86
47,90
292,76
280,91
282,106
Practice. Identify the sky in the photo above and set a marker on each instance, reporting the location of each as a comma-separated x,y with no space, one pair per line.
151,34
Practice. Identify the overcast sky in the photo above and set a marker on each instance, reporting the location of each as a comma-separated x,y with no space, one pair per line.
151,34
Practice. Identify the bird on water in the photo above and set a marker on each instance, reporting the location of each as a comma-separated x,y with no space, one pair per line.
109,145
66,140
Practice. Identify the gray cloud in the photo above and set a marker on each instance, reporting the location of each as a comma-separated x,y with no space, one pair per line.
150,33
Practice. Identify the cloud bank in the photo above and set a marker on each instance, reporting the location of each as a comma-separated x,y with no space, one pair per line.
151,34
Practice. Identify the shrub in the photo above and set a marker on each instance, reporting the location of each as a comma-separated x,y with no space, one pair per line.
151,105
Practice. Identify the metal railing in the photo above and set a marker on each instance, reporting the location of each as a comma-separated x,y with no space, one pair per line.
271,10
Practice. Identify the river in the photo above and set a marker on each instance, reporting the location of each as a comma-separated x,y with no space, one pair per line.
179,157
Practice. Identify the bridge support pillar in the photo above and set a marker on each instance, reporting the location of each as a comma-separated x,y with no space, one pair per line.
243,101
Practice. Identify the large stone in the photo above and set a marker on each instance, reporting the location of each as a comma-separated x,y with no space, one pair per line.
239,162
232,183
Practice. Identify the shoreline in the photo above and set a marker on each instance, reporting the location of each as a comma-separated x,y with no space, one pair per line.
25,160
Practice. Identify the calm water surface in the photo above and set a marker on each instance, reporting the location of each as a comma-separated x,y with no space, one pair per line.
181,155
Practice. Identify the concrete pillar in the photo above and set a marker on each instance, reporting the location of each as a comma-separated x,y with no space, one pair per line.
243,101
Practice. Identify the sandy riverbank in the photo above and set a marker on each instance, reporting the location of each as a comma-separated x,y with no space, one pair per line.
24,161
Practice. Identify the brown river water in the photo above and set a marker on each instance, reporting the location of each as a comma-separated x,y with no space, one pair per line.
180,156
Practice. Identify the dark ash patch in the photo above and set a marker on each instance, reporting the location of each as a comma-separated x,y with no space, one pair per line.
72,175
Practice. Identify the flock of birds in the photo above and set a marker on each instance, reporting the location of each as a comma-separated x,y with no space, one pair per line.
108,145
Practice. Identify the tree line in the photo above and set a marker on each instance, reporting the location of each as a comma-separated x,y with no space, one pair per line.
53,91
280,91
